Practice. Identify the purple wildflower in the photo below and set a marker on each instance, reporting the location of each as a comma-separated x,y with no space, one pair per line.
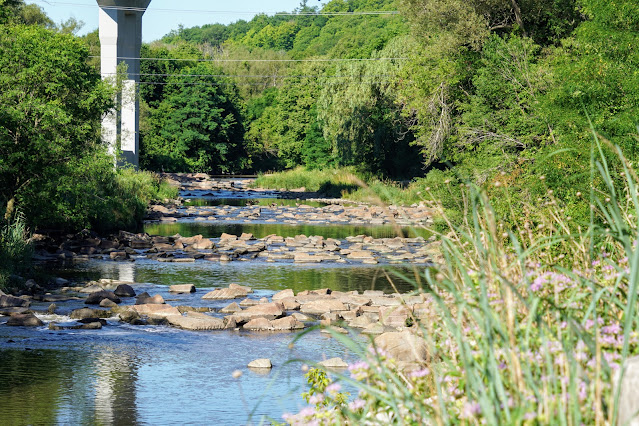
333,387
357,404
420,373
307,412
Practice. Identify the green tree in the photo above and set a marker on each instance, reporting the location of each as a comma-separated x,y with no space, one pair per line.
51,104
195,127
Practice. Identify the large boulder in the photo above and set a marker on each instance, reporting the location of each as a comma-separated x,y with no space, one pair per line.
394,316
196,321
403,346
231,308
269,311
204,244
233,291
130,316
260,363
91,288
10,311
322,306
124,290
146,299
283,294
156,310
182,288
354,300
287,323
360,255
85,313
190,240
96,297
290,304
107,303
360,322
258,324
24,320
7,301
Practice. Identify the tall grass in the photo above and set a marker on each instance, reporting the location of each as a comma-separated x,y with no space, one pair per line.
524,325
15,248
330,182
129,195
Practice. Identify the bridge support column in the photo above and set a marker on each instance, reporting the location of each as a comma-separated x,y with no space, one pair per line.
121,40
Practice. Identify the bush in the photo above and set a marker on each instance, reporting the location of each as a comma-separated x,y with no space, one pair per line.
92,194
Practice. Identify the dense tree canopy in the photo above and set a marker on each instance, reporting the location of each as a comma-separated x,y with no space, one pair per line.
51,104
479,90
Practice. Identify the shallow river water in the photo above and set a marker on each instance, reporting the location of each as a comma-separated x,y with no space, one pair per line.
125,374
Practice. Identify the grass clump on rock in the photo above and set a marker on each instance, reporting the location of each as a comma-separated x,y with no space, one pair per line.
15,248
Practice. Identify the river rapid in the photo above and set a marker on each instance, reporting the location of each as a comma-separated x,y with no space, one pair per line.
126,374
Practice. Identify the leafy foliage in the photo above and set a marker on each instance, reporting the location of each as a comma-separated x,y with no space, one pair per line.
196,126
51,105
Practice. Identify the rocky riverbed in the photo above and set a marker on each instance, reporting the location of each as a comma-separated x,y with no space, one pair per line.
173,296
272,248
231,308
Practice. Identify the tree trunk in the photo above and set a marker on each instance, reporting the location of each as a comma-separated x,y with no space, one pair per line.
517,10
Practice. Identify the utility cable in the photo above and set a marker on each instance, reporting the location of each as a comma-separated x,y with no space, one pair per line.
127,58
270,76
232,12
181,83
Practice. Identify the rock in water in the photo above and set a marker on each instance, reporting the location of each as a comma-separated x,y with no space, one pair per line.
258,324
334,363
24,320
196,321
146,299
13,302
283,294
106,303
124,290
182,288
231,308
156,310
260,363
84,313
321,306
129,315
96,297
91,289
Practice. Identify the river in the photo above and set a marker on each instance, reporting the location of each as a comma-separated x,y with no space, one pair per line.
124,374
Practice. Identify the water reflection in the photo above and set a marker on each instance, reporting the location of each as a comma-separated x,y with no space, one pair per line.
257,275
151,375
46,386
261,230
243,202
115,388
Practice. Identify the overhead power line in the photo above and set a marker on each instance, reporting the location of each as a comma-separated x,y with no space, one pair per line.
126,58
184,83
271,76
226,12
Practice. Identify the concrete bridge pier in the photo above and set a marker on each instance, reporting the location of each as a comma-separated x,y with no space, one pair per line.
120,30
